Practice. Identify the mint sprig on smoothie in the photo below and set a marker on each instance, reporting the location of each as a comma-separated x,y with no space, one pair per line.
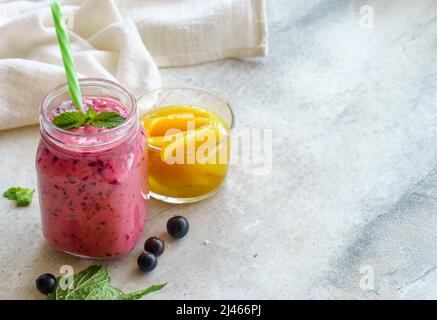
77,119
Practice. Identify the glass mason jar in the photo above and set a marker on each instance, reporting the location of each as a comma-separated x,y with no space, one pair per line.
92,185
186,181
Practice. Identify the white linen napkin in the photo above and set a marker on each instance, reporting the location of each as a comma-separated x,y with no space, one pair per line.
120,40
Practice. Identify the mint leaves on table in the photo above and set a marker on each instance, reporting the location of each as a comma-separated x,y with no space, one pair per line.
22,196
77,119
94,283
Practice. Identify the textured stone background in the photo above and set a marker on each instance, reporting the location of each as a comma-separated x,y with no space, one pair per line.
354,177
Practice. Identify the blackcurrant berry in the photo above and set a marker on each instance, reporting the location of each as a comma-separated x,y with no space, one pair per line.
155,246
177,227
46,283
147,261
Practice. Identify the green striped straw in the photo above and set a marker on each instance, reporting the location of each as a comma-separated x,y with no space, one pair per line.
65,46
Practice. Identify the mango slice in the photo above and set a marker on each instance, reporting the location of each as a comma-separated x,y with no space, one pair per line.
187,147
179,109
189,141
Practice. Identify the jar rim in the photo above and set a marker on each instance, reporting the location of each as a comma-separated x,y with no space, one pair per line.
48,125
92,81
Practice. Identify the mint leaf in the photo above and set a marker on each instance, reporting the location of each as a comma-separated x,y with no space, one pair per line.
83,283
141,293
107,119
22,196
89,116
94,283
77,119
105,293
67,120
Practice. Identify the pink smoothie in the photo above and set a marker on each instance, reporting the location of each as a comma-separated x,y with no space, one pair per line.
93,200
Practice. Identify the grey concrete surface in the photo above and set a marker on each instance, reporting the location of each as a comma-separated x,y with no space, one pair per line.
353,187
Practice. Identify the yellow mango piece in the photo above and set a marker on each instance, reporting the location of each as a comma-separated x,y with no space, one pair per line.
169,125
160,142
190,141
186,162
179,109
